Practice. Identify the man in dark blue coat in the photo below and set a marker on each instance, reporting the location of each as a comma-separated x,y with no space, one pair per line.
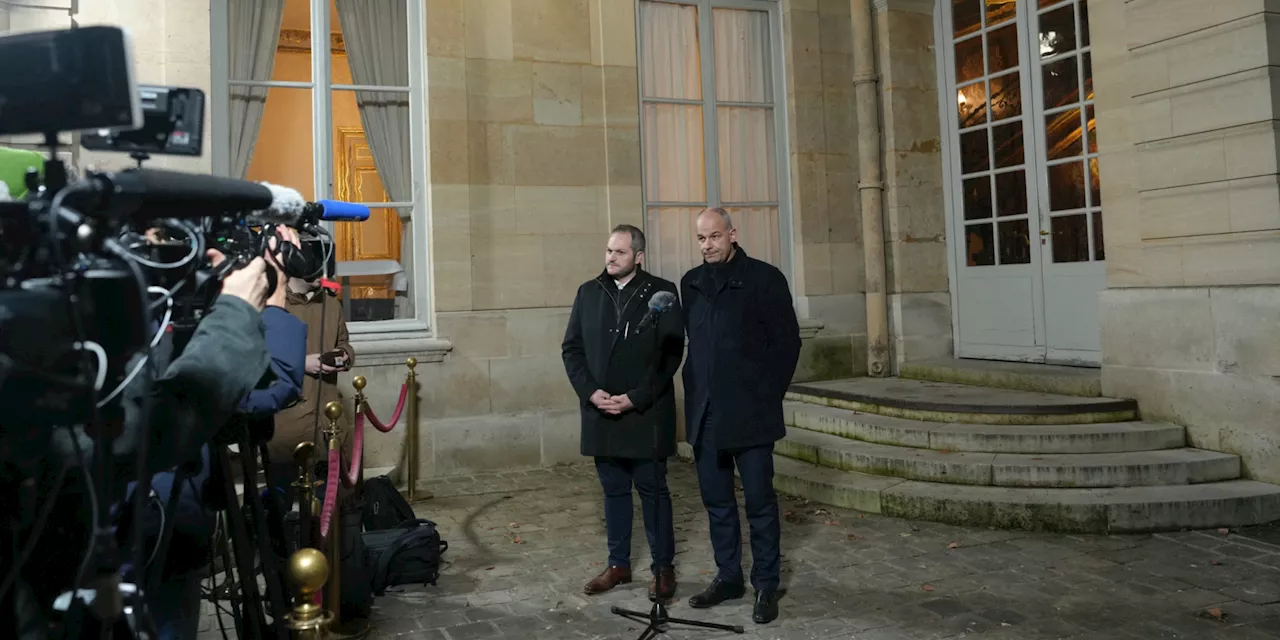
744,342
622,373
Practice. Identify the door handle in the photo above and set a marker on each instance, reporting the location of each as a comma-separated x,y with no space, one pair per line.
1044,232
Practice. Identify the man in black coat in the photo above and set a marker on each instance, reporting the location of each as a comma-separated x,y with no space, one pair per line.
623,375
744,342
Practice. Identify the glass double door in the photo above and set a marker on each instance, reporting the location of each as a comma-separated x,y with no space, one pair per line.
1025,210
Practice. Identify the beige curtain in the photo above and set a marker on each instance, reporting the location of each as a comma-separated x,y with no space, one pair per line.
254,30
675,163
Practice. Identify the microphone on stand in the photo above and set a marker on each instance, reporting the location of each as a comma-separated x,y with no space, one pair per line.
658,304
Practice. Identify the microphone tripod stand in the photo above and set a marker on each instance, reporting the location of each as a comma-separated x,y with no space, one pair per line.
658,618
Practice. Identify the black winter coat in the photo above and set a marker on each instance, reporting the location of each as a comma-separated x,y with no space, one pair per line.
744,343
602,350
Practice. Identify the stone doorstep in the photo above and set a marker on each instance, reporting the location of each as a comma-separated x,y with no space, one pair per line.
1128,469
1112,437
957,403
1021,376
1233,503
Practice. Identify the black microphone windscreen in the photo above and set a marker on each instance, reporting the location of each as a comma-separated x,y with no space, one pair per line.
192,194
662,300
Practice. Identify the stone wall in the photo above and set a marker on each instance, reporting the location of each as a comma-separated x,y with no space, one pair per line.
1186,115
828,279
915,218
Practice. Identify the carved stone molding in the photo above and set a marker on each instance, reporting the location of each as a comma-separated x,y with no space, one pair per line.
913,6
299,41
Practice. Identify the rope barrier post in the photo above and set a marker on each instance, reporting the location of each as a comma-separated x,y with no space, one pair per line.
308,571
359,383
305,485
411,430
333,595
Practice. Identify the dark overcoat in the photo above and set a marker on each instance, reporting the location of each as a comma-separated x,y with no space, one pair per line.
603,350
744,343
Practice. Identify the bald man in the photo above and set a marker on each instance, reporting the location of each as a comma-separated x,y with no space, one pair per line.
744,342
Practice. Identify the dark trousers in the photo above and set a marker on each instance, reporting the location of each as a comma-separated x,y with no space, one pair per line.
617,476
715,478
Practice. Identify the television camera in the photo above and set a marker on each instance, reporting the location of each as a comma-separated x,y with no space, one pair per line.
95,270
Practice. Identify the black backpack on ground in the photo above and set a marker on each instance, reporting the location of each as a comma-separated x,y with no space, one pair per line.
384,507
408,554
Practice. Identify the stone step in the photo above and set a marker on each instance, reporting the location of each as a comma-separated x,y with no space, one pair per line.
1234,503
1022,376
948,402
1113,437
1130,469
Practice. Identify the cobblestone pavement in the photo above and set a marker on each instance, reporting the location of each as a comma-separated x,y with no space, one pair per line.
522,544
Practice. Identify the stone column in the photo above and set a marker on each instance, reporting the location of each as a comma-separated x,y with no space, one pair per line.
1186,120
828,277
915,219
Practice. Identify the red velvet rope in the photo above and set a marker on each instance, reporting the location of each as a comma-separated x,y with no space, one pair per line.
357,459
385,428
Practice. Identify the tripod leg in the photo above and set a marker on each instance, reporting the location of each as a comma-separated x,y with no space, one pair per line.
707,625
243,549
266,552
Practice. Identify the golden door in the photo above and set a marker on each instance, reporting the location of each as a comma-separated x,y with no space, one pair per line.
377,238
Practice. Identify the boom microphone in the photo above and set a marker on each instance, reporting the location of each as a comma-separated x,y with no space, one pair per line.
288,207
155,193
658,304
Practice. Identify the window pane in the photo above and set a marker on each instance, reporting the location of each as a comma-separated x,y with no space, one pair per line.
1062,134
1011,193
670,68
758,232
981,248
675,170
673,245
966,16
274,139
1002,48
1066,186
1070,239
1061,83
747,159
969,64
1006,97
374,265
742,55
370,42
1010,150
1058,31
974,154
977,198
971,104
999,11
288,24
1015,242
1099,247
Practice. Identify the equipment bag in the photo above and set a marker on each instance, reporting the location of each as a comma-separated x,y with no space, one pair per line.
384,507
357,599
407,554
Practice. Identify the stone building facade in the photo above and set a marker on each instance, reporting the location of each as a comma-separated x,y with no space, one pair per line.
970,126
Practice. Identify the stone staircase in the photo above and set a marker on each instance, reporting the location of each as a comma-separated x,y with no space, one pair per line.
1011,458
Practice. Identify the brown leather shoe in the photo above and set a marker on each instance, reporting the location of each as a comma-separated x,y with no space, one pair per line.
608,579
663,585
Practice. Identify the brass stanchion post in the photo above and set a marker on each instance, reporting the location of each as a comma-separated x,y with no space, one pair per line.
411,429
360,406
333,595
308,570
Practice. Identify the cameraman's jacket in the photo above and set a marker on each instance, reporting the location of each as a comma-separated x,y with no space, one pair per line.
326,330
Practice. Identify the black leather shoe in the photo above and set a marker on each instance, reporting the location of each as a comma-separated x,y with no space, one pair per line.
718,592
766,609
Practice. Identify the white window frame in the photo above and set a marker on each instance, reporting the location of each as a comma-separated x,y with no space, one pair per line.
322,87
710,130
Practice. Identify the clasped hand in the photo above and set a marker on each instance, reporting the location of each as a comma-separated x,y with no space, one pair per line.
612,405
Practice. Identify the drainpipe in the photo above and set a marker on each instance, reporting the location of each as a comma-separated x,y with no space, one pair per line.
870,186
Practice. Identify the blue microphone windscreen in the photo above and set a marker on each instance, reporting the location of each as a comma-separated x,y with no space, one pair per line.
343,211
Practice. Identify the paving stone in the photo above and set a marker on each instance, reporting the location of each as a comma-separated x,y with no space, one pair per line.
892,580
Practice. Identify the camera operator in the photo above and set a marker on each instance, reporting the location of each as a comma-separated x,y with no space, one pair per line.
174,601
195,396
